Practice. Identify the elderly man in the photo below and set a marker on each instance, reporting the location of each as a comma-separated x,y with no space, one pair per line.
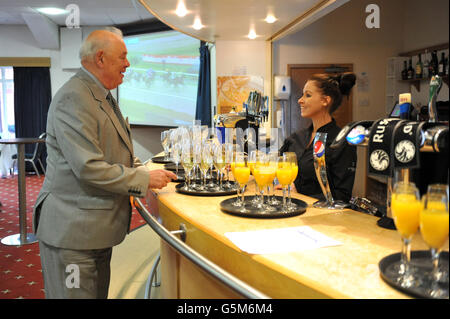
83,208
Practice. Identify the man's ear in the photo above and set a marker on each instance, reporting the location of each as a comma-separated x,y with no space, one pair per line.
99,56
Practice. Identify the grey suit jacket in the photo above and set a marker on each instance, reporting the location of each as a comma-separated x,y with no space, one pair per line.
91,171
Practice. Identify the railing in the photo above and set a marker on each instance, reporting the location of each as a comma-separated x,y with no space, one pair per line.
206,265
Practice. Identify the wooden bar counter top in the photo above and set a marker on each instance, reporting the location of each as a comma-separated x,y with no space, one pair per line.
346,271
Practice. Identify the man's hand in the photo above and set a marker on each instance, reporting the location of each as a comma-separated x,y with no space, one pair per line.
159,178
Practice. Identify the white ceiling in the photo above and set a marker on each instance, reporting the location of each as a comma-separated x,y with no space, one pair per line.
92,12
233,19
222,19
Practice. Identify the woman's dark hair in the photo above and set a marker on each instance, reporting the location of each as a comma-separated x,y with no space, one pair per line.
335,86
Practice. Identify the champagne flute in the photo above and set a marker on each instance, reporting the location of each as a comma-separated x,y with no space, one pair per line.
187,162
228,147
441,190
253,157
284,175
242,174
262,173
434,230
165,144
205,164
406,206
197,159
292,158
273,164
219,162
175,156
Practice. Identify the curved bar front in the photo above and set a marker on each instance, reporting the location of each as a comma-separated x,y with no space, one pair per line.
349,270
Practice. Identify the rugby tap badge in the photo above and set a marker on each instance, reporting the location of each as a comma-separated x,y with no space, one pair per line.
405,151
379,160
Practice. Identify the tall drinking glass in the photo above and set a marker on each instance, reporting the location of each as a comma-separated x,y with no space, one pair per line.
242,174
284,172
434,229
254,156
205,164
165,144
175,156
239,160
187,162
292,158
228,147
406,206
219,161
273,164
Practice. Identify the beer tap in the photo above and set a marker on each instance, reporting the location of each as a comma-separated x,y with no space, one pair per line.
435,87
431,136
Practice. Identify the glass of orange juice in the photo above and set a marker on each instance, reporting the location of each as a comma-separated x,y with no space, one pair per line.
406,206
434,230
253,157
284,173
292,158
241,175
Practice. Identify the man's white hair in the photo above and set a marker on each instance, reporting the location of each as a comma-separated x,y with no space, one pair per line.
89,48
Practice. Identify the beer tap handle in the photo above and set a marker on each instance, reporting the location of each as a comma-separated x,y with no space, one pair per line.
357,131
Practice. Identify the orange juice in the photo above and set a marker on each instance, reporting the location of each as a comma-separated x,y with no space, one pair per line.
284,175
262,176
434,226
294,172
406,211
242,174
234,164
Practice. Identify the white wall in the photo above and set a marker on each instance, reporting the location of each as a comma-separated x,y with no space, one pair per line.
18,41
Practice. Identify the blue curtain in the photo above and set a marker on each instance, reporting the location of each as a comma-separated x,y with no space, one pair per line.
203,110
32,97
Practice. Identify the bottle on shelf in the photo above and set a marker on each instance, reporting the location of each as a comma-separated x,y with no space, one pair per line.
426,64
405,71
434,65
410,70
419,67
441,67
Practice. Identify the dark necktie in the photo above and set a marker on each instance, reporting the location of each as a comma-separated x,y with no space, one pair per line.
116,109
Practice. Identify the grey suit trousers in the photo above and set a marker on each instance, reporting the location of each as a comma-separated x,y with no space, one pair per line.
75,274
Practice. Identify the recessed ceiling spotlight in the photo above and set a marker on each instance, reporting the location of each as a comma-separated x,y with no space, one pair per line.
52,11
252,34
270,18
181,10
197,24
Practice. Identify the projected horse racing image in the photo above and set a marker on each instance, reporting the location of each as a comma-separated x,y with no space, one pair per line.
160,86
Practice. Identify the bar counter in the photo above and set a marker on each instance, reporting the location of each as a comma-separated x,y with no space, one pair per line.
346,271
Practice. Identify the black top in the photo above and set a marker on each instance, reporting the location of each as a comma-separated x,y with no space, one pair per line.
341,163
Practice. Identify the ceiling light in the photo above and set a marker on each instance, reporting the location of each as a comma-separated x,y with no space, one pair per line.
181,10
52,11
197,24
270,18
252,34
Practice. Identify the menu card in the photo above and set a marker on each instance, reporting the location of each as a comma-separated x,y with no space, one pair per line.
280,240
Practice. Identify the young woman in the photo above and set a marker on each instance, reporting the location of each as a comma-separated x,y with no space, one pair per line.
322,95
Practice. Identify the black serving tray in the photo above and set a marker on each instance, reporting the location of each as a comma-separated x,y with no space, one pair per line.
160,160
253,212
207,192
421,262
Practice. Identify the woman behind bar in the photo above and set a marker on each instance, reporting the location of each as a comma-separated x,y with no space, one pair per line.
322,95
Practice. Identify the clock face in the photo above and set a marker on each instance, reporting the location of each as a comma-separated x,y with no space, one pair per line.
379,160
405,151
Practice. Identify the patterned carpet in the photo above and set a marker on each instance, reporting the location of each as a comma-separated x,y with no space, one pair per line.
20,266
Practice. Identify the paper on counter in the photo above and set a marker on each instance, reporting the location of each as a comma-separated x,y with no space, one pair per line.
280,240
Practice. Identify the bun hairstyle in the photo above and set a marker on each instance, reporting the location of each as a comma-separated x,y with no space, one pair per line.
335,87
